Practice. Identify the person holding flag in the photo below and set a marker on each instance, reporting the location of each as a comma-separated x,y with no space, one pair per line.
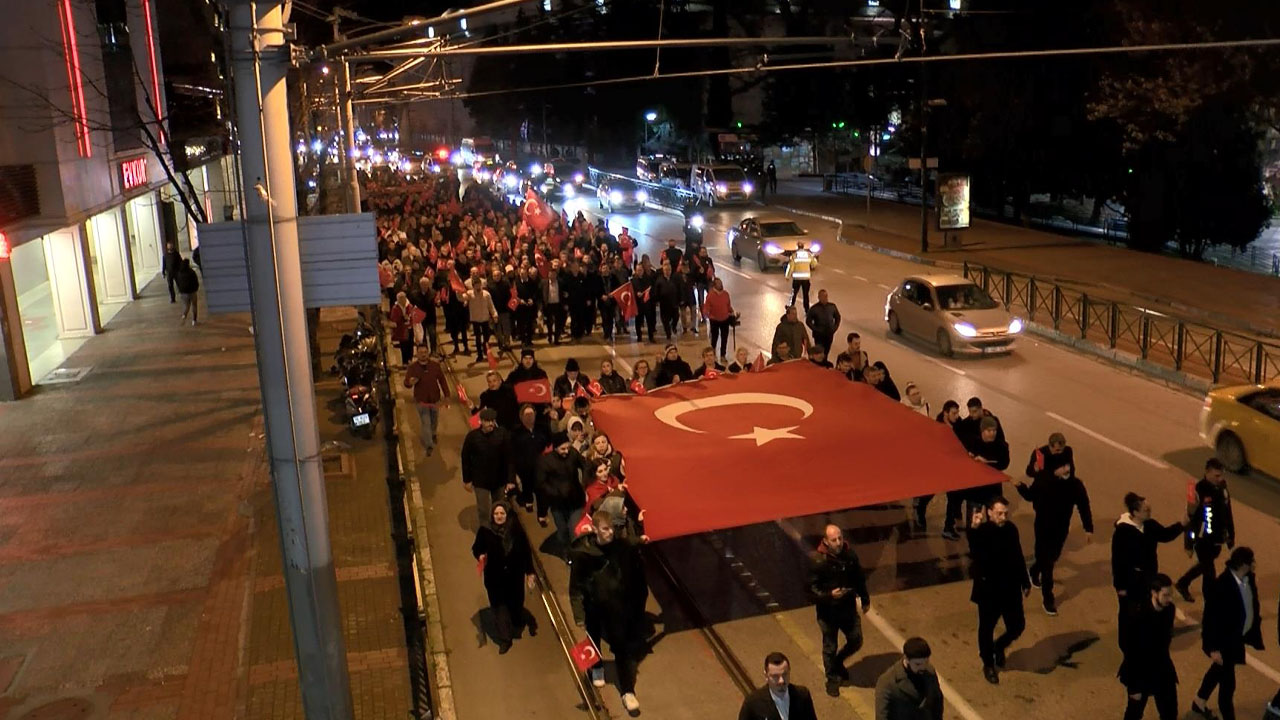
646,306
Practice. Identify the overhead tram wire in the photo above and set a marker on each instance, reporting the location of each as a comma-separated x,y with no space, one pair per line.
1002,55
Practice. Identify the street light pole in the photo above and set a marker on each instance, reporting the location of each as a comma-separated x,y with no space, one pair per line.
924,176
260,57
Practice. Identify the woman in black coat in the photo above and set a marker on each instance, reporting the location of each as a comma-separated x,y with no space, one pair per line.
507,562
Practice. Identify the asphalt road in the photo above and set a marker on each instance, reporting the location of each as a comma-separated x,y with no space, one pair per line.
1128,432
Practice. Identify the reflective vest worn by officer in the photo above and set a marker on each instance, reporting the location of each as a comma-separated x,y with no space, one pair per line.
800,264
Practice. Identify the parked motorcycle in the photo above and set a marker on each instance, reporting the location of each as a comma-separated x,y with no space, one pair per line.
362,410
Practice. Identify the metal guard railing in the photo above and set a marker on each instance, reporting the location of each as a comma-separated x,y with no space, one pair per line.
1162,339
668,196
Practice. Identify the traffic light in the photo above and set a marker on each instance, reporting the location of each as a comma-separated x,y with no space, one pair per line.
840,125
739,124
857,134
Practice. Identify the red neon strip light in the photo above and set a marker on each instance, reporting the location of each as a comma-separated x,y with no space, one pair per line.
155,74
71,51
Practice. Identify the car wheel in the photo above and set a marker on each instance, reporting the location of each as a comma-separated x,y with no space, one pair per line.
894,326
944,343
1231,452
737,256
764,267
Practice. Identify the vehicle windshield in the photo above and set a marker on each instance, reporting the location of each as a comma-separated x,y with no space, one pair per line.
1266,402
621,185
964,297
730,175
779,229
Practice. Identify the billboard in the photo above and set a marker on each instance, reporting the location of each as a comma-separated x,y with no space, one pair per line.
953,201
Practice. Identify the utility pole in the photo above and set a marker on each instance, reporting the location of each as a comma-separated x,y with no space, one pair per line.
260,61
346,123
924,171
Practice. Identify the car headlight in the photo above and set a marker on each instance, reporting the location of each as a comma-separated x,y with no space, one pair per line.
1015,325
579,178
510,181
696,221
772,249
642,196
722,188
568,189
747,187
615,196
535,169
815,248
965,329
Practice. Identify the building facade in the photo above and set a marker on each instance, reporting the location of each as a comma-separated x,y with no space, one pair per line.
86,206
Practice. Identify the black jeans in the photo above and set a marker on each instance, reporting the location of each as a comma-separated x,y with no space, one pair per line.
480,331
832,621
524,317
626,655
824,339
1006,606
406,351
606,320
1048,549
172,297
553,315
1206,553
720,331
1166,703
429,335
1223,677
647,317
670,320
796,286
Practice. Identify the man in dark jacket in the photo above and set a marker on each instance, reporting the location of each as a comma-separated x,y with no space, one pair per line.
778,695
1134,561
968,428
667,290
487,469
500,290
529,441
529,296
608,592
424,298
559,489
672,368
1055,492
642,282
1231,621
823,320
169,266
1000,582
991,450
909,690
502,398
1210,525
1147,670
835,580
610,381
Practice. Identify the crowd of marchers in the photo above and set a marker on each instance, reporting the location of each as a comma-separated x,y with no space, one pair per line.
473,271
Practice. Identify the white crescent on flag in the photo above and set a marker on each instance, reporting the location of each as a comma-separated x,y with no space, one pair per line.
670,414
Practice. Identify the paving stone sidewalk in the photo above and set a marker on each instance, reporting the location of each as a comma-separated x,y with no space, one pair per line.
139,563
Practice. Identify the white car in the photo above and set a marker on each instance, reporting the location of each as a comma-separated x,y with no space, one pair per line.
770,239
952,312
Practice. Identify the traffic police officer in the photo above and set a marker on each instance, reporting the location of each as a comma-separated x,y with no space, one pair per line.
799,267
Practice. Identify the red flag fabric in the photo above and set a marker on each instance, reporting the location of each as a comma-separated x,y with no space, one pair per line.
455,282
585,655
759,364
710,374
625,296
480,564
493,360
513,303
417,316
752,427
533,391
474,421
584,525
637,387
579,392
594,388
462,395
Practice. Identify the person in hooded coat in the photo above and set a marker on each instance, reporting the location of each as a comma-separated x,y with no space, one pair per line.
672,368
506,562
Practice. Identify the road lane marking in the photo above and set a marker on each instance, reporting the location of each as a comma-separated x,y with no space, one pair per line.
933,360
1251,660
1158,464
889,633
886,287
838,271
859,277
739,273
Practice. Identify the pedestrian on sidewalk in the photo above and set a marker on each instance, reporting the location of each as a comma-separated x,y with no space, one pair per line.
608,593
954,512
836,581
402,312
799,268
169,266
506,562
188,284
1147,670
1231,621
1210,525
482,314
426,378
1134,560
771,173
912,398
1055,492
991,450
487,467
424,299
1000,582
823,320
778,698
909,689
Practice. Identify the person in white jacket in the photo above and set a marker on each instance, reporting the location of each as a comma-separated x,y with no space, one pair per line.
482,313
911,398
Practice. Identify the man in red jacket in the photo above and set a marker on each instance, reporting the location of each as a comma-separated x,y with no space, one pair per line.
426,378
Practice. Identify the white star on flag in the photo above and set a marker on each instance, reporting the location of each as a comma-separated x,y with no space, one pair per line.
767,435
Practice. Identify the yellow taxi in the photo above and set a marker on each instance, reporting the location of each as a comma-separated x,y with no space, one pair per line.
1242,424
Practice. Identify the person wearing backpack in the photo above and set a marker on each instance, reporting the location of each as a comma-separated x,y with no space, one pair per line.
188,283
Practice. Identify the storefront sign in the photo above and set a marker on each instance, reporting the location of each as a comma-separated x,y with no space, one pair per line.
133,173
953,202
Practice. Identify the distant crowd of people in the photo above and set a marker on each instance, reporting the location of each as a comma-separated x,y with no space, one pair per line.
475,262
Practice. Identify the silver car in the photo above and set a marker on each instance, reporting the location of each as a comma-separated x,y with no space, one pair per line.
952,312
770,239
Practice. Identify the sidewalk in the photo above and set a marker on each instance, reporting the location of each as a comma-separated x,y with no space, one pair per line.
1218,295
139,562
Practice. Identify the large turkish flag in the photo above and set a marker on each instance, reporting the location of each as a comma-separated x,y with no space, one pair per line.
794,439
625,296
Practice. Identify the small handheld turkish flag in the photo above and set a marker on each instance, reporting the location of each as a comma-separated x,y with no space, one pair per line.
637,387
1039,463
533,391
493,360
1192,496
455,282
462,395
579,392
474,421
625,296
758,365
480,564
585,655
584,525
594,388
513,303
